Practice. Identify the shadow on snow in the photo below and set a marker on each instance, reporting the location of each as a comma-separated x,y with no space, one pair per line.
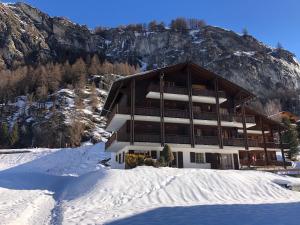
239,214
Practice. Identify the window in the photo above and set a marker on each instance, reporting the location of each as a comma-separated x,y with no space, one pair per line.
153,154
123,157
192,157
116,158
119,158
199,157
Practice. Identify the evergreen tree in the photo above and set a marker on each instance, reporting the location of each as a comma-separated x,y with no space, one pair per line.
166,155
290,136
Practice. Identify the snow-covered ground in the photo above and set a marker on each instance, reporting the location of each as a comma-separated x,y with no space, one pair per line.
68,186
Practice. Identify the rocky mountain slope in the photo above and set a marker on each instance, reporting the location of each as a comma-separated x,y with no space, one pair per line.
30,37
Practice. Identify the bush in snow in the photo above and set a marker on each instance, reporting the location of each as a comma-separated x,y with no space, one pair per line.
166,156
149,162
133,160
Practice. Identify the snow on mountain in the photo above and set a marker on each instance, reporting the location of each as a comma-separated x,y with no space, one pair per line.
68,186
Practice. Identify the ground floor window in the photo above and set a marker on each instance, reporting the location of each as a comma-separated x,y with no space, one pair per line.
196,157
154,154
199,157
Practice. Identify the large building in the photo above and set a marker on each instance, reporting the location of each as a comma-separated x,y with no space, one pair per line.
201,115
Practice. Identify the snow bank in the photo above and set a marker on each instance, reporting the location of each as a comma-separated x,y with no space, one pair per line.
31,183
68,186
107,195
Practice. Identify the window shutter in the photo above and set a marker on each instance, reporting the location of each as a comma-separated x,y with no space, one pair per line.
192,157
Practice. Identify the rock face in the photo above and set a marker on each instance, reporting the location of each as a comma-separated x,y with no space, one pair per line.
28,36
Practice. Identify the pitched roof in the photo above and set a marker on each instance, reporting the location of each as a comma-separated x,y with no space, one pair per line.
151,73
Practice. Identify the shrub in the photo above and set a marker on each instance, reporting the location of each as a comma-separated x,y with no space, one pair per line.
149,162
133,160
166,156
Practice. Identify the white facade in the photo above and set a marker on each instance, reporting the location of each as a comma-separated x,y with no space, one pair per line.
226,153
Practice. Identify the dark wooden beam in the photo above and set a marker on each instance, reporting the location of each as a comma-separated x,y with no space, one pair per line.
220,137
281,148
114,99
245,132
132,110
264,141
162,107
191,114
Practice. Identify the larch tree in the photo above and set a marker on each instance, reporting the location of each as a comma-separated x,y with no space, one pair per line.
14,135
94,97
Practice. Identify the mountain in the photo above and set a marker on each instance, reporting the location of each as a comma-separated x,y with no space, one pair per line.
31,37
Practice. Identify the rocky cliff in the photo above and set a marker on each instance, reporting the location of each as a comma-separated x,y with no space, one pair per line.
29,36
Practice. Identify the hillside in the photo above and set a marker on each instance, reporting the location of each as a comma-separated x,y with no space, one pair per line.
29,37
68,186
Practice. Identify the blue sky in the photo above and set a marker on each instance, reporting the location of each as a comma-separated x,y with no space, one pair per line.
270,21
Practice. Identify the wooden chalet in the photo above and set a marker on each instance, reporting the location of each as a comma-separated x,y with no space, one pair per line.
201,115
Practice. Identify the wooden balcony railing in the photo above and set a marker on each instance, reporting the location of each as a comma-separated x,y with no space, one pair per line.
206,140
177,139
151,138
177,113
208,93
183,91
123,136
274,145
110,140
117,109
117,136
147,111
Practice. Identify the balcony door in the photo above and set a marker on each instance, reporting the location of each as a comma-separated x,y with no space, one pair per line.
226,161
178,160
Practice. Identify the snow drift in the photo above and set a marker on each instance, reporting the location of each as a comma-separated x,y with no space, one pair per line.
68,186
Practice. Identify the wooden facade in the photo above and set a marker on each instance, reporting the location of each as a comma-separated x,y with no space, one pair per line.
184,105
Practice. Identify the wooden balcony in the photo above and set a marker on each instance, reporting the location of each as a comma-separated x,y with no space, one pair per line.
177,113
123,136
184,91
274,145
117,136
206,140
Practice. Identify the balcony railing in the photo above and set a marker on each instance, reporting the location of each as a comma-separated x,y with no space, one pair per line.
152,138
177,139
274,145
177,113
206,140
184,91
123,136
110,140
117,136
117,109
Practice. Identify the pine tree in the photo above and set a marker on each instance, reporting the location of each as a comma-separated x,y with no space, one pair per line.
166,155
290,136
